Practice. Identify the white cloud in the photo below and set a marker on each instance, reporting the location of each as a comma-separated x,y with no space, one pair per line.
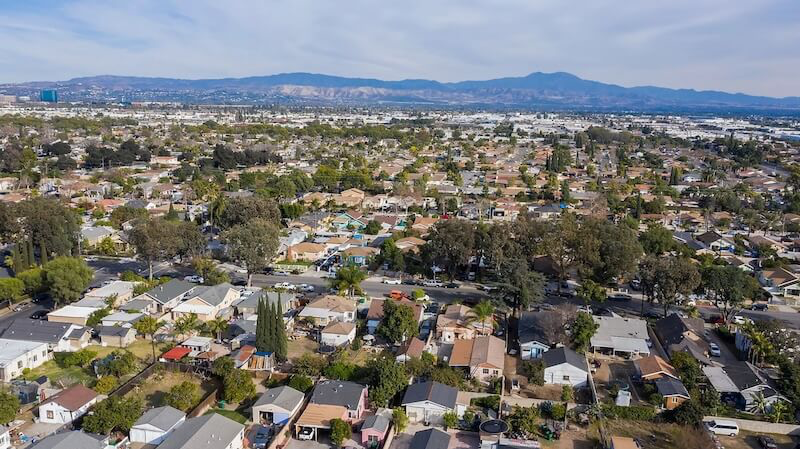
747,45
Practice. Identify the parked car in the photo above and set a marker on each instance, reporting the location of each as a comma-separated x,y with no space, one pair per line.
40,315
280,273
738,319
654,314
767,442
285,286
432,283
636,284
604,311
760,306
306,288
713,349
723,427
194,279
306,433
620,297
391,281
410,281
452,285
262,438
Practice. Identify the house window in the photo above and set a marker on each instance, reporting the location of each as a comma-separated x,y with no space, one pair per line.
565,378
19,364
485,371
49,414
372,438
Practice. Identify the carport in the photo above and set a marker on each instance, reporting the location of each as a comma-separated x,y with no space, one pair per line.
318,417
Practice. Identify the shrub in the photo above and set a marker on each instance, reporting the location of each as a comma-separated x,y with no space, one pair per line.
490,402
301,383
105,384
340,431
183,396
80,358
633,413
534,371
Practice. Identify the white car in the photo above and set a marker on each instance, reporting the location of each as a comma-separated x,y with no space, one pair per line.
306,288
433,283
738,319
285,286
194,279
713,349
391,281
280,273
306,433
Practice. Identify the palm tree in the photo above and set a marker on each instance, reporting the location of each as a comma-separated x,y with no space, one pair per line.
760,404
148,326
481,313
186,323
217,327
348,280
778,409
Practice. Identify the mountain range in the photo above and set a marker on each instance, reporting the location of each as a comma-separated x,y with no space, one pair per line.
538,90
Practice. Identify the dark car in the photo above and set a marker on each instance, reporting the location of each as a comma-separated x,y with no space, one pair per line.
39,315
604,311
452,285
620,297
760,306
410,281
654,314
767,442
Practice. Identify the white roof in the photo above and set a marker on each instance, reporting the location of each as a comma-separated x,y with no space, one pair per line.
621,344
314,312
617,326
10,350
197,341
123,317
720,380
74,312
118,288
194,308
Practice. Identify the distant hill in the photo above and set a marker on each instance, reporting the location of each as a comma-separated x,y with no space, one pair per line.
548,90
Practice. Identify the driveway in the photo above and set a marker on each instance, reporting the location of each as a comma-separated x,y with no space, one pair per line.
727,356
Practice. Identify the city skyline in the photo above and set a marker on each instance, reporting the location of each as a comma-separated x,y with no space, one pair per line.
679,45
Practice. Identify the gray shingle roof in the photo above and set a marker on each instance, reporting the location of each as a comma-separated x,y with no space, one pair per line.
36,330
212,294
531,326
284,397
377,422
338,392
71,440
430,439
435,392
212,431
114,331
163,418
557,356
171,290
668,386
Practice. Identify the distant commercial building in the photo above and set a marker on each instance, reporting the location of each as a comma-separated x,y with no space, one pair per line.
48,96
7,99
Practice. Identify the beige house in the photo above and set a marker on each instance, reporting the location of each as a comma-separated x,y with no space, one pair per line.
208,302
483,357
329,308
72,315
306,251
456,324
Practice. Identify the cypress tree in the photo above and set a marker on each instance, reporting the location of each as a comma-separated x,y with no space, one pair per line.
24,257
31,254
270,327
17,259
261,322
43,251
282,344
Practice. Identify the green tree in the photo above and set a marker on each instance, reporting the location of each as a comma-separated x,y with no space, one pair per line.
689,413
386,378
119,363
263,321
590,291
524,419
113,414
238,386
97,316
340,431
11,290
149,326
400,419
567,393
280,340
240,211
483,313
728,287
183,396
451,243
67,278
105,384
47,221
216,327
373,227
301,383
157,240
582,330
9,406
185,324
688,369
450,420
223,366
309,365
348,281
253,244
34,280
657,240
398,323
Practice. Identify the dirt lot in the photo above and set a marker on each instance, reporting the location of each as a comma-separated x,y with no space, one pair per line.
153,390
301,345
614,370
748,440
658,436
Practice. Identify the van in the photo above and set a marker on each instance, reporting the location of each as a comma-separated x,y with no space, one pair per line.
723,427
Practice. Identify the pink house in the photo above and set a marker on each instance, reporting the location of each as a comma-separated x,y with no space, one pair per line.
375,427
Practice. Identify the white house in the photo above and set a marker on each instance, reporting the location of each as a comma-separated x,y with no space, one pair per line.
17,355
67,405
563,366
338,333
5,437
156,424
207,302
426,402
212,431
329,308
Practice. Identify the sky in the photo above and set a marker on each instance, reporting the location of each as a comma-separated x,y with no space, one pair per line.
750,46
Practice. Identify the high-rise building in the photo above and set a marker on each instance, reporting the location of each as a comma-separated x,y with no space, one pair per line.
49,96
6,99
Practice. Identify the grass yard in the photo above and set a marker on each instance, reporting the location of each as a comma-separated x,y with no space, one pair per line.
153,390
140,348
64,376
300,346
232,414
657,435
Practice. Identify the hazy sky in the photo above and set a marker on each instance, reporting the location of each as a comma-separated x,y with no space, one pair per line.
750,46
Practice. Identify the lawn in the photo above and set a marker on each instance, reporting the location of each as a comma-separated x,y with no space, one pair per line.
153,390
232,414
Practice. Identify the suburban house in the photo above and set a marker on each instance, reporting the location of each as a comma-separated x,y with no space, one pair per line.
140,304
156,424
208,302
5,437
74,439
673,391
71,315
456,323
306,252
413,348
482,356
716,242
375,312
426,402
18,355
780,282
534,339
430,439
350,395
60,337
375,427
739,383
122,319
338,333
653,367
677,333
329,308
121,290
359,255
67,405
248,304
212,431
319,416
117,336
277,405
563,366
620,335
168,295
